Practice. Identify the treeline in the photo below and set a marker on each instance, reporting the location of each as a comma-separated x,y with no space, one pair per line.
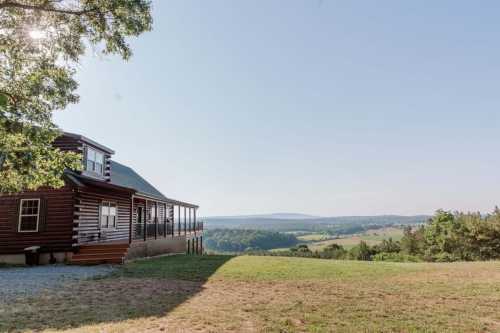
331,225
239,240
446,237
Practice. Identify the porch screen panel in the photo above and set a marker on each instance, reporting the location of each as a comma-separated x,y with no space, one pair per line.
139,223
151,225
161,220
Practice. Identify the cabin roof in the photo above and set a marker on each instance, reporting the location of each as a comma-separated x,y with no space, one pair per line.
90,141
124,176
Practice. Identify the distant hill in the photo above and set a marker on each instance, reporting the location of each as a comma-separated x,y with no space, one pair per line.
279,216
294,222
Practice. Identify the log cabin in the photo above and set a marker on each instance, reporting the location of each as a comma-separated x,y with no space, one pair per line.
105,213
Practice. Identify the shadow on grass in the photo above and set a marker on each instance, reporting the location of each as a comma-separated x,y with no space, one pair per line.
142,289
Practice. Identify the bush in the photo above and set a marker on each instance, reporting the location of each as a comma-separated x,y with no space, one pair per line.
395,257
361,252
300,248
387,245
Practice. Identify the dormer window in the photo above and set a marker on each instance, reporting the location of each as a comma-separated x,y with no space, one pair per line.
95,161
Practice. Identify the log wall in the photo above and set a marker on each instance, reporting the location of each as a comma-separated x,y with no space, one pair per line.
55,228
87,216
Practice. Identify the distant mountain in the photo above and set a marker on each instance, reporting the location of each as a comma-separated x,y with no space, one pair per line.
302,222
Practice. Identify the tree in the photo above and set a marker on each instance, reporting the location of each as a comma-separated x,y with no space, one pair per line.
41,42
412,242
387,246
362,251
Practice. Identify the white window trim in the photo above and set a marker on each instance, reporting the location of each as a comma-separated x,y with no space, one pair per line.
116,215
96,151
21,215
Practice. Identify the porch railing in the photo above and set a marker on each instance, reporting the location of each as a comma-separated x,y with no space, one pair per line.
162,229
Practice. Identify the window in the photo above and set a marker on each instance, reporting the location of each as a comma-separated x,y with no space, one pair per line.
108,214
29,215
95,161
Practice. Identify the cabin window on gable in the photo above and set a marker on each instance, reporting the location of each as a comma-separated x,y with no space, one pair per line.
29,215
94,161
108,215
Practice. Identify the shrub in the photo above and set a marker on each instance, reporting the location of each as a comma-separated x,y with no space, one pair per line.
361,252
395,257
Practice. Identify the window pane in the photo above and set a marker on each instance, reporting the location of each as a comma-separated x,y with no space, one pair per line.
99,158
112,211
99,168
90,165
105,209
28,223
26,210
90,155
30,207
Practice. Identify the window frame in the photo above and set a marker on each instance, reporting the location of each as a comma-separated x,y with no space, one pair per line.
21,215
94,162
110,204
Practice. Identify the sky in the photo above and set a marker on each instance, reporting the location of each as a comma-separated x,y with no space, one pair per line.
314,106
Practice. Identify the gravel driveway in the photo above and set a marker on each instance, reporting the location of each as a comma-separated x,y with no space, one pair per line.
27,281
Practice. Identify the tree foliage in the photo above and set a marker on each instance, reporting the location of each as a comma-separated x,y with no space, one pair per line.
238,240
41,42
446,237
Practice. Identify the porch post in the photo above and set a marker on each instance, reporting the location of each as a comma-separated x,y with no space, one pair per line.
131,218
146,220
190,224
179,219
173,219
165,221
185,225
195,225
156,219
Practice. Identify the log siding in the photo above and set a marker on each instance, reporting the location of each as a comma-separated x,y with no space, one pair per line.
55,229
87,216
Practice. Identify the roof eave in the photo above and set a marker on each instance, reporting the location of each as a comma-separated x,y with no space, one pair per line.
91,142
166,200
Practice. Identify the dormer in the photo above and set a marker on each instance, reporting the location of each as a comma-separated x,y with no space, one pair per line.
95,157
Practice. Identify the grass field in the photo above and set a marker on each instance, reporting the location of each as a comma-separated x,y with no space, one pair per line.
318,241
271,294
314,237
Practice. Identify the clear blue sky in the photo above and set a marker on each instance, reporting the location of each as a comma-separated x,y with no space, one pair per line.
313,106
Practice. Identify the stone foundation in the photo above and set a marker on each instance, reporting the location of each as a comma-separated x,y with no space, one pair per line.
156,247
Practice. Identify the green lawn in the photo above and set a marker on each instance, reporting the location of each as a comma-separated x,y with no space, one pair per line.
268,294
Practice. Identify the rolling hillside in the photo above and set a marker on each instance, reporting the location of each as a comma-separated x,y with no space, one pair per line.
270,222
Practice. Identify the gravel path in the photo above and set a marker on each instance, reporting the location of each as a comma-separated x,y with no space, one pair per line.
27,281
